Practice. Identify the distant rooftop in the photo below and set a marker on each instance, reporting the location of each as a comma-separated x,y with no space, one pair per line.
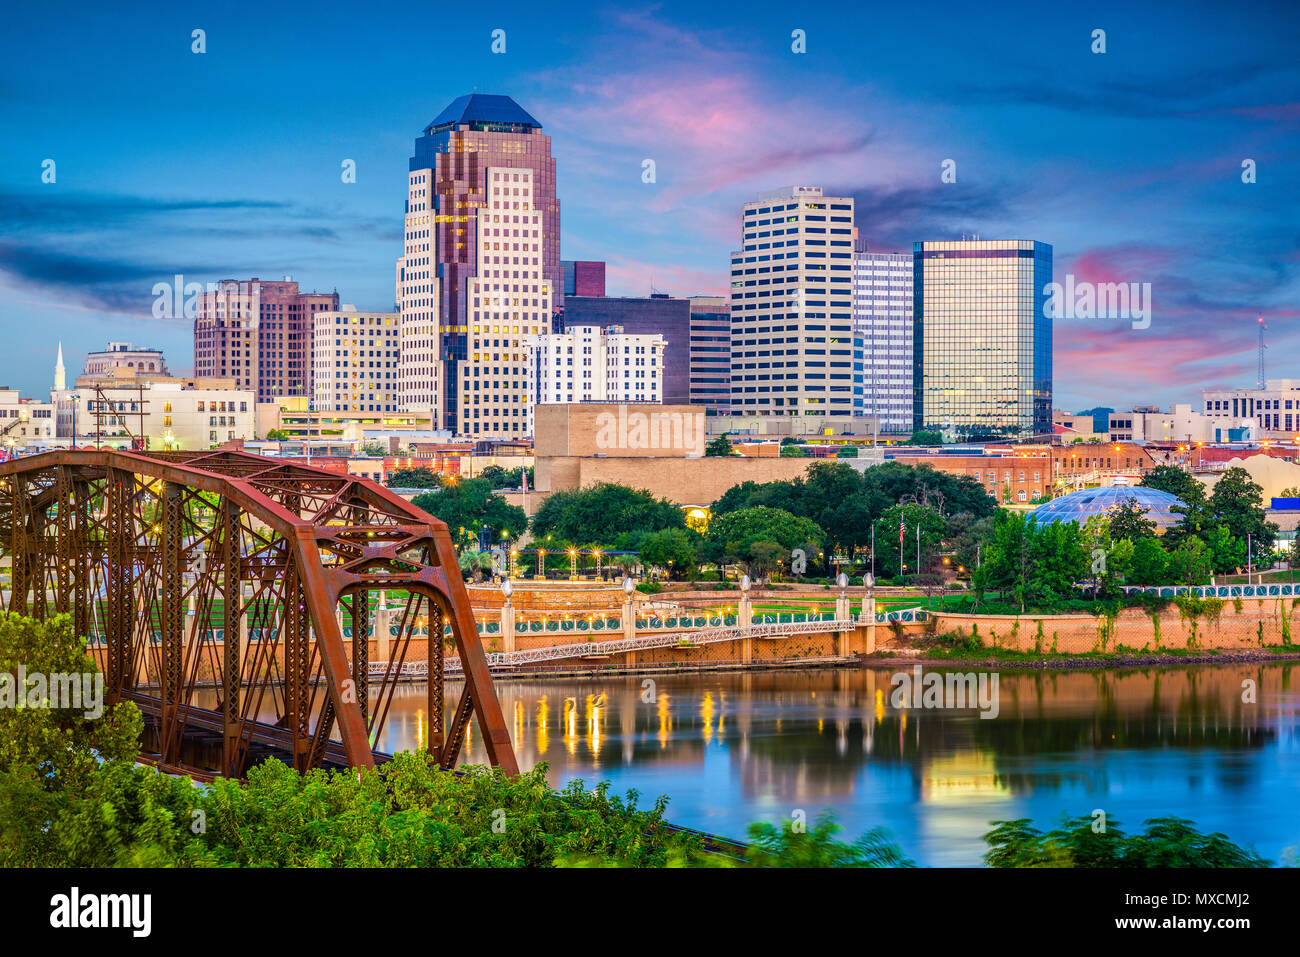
484,111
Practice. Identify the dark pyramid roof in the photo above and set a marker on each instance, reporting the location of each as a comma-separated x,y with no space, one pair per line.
484,108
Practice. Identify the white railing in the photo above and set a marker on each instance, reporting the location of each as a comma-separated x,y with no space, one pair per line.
590,649
594,649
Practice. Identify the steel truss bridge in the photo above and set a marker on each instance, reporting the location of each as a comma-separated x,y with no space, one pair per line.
128,543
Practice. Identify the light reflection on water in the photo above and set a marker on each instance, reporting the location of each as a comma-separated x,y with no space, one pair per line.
732,748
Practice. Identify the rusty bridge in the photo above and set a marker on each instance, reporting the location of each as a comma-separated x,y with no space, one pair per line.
211,586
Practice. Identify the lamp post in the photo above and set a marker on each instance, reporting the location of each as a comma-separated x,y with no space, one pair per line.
74,398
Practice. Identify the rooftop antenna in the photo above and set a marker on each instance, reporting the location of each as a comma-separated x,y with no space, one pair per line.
1262,347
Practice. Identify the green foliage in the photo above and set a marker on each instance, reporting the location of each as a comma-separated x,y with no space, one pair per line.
1150,564
817,847
846,452
675,549
793,451
889,558
277,435
470,504
1190,563
762,538
719,447
605,515
499,477
845,503
1128,521
422,477
1166,842
49,757
1237,502
1037,565
925,437
474,562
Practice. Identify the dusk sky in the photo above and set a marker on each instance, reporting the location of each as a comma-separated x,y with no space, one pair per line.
227,164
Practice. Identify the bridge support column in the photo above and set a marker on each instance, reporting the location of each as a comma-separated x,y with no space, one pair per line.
507,626
383,639
869,616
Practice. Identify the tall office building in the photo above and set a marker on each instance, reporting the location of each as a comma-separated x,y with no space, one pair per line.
591,364
982,341
354,361
260,334
480,270
792,306
710,384
882,320
657,315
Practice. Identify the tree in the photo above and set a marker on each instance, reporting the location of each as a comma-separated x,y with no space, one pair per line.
889,558
1194,518
277,435
1190,563
604,515
374,449
672,548
721,446
421,477
475,563
1227,554
1128,520
469,504
49,756
847,452
925,437
1150,563
1167,842
792,451
749,534
499,478
1237,502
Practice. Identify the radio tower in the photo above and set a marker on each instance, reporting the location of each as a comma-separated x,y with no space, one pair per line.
1262,347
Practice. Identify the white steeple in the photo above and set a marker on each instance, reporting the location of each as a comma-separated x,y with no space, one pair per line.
60,374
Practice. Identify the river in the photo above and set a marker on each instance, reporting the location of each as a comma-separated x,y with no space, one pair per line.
731,748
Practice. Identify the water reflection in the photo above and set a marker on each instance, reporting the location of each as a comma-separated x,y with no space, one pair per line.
732,748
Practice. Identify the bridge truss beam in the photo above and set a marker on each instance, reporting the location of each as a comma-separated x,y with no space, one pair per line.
211,585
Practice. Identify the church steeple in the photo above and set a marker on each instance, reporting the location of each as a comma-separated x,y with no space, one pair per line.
60,374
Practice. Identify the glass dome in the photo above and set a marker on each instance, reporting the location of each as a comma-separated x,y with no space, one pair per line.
1082,505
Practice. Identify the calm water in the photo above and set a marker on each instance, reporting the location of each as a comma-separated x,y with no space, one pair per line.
730,749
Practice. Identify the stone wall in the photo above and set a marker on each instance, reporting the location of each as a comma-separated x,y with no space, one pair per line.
1247,623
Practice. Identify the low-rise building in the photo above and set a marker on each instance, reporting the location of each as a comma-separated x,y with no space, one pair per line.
161,415
1274,408
596,364
296,417
1180,425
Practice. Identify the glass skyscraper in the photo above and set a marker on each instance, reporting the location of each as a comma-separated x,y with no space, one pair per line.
982,341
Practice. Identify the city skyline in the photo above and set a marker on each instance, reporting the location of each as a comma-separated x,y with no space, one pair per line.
1127,162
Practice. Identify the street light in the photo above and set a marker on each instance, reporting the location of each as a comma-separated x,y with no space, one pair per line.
74,398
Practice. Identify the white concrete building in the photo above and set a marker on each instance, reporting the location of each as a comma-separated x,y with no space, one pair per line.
792,306
1179,425
1275,408
591,364
882,319
507,309
165,414
25,423
355,360
418,301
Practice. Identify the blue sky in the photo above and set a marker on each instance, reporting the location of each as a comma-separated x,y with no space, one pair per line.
227,164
